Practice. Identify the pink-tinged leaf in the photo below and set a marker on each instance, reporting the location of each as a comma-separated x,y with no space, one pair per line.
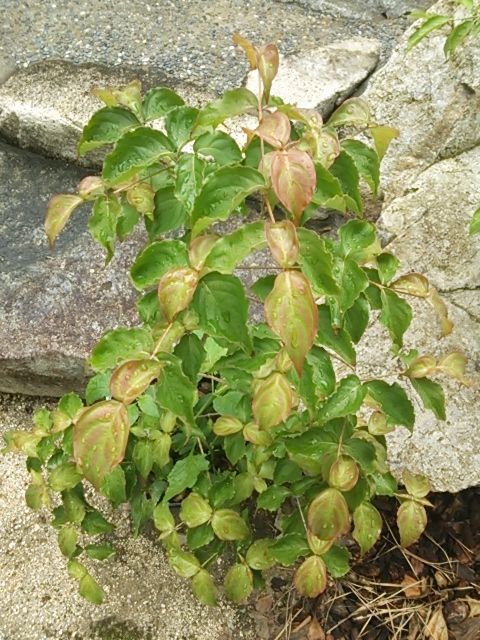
292,314
311,577
132,378
283,242
268,61
199,249
59,210
272,400
100,437
274,129
328,515
176,289
344,473
293,180
91,187
249,49
411,522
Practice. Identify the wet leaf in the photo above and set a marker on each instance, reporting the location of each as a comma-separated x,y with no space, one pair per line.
316,262
229,525
393,401
231,249
352,112
65,476
113,486
368,526
328,515
232,103
94,524
411,522
184,474
155,260
120,345
258,555
132,378
176,289
179,124
274,128
176,392
289,547
382,137
292,314
219,146
272,400
160,101
195,510
417,485
268,61
100,438
413,284
344,474
183,562
346,400
283,242
142,196
227,426
59,210
273,498
346,172
238,583
204,588
106,126
143,457
311,577
293,180
396,315
366,160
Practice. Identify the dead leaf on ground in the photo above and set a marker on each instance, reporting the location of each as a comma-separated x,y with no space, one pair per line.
315,631
264,604
474,606
436,628
412,587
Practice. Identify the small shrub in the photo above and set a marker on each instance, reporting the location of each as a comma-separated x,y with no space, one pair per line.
203,421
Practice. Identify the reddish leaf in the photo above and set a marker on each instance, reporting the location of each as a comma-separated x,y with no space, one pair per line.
132,378
248,47
311,577
267,62
176,289
274,128
100,438
60,208
199,249
91,187
343,473
283,242
272,400
293,315
328,515
293,180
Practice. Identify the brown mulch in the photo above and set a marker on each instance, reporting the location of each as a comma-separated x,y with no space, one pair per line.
430,591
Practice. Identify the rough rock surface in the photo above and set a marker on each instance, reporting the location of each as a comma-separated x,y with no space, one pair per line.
363,9
145,599
323,77
54,305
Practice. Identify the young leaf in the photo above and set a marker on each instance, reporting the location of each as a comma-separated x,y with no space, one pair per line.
283,242
59,210
132,378
366,160
168,213
100,438
103,223
228,251
352,112
233,103
136,150
346,400
229,525
90,590
238,583
195,510
272,400
184,474
155,260
249,49
99,551
396,315
328,191
289,547
204,588
292,314
176,289
316,262
222,307
382,137
227,426
368,526
475,223
223,192
273,498
258,555
64,476
176,392
106,126
393,401
417,485
219,146
311,577
160,101
432,395
411,522
120,345
274,129
429,25
343,474
293,180
67,540
346,172
328,515
183,562
268,60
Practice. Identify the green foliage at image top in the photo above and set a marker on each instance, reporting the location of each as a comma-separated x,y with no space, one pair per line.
201,418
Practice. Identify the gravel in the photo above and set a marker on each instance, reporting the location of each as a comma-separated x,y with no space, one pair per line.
189,39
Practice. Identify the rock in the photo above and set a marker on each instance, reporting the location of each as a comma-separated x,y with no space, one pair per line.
54,305
44,107
363,9
435,105
323,77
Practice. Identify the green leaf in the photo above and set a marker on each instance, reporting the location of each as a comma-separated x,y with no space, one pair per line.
195,510
366,160
286,471
368,526
204,588
316,262
311,577
176,392
76,570
231,249
179,124
222,308
143,457
127,219
234,446
475,223
416,484
191,352
387,265
136,150
336,339
155,260
198,537
114,486
102,224
273,498
229,525
393,401
457,35
74,506
233,103
70,404
90,590
346,172
258,555
356,236
119,345
346,400
337,560
99,551
411,522
328,192
67,540
352,112
169,213
184,474
318,377
220,146
223,192
189,179
396,315
262,287
356,318
183,562
432,395
362,451
353,281
287,549
106,126
160,101
382,137
429,25
238,583
98,387
65,476
94,523
162,518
